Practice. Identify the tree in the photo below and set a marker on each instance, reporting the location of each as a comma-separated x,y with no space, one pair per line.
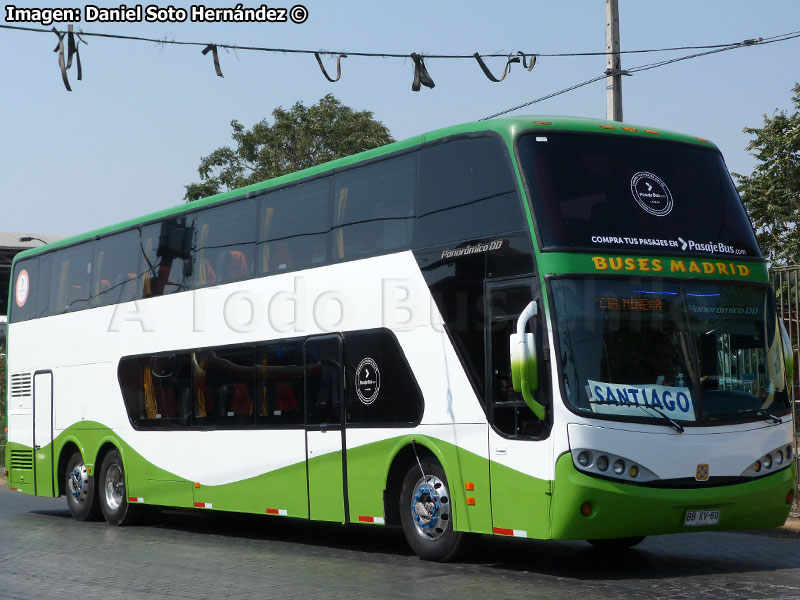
299,138
771,194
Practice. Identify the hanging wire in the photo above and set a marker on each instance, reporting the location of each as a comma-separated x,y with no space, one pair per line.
743,44
396,55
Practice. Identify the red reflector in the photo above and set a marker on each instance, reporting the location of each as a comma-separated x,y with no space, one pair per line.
789,496
502,531
586,509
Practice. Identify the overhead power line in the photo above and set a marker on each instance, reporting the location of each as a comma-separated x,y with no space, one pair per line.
716,49
163,41
69,42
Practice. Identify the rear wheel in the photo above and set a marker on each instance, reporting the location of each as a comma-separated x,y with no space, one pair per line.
80,490
617,543
426,514
113,495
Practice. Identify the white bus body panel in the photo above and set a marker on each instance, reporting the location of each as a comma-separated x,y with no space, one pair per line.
385,291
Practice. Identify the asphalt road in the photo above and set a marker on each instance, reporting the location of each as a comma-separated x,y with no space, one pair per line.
45,554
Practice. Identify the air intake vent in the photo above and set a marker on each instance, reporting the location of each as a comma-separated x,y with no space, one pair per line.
21,385
22,459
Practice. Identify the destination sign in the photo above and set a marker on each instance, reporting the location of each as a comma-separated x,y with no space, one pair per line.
640,399
631,304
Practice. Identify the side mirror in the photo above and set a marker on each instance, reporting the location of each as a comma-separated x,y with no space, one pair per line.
525,363
788,353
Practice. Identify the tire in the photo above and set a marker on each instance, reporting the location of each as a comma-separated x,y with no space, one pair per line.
113,497
80,490
617,543
427,521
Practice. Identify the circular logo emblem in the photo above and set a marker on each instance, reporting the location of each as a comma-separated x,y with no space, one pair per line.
368,381
23,287
651,194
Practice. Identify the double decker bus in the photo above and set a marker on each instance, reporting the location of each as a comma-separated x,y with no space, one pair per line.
549,328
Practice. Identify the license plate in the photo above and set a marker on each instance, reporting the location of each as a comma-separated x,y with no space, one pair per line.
698,518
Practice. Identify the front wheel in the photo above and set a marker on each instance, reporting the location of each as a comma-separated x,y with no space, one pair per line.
113,496
426,514
80,490
617,543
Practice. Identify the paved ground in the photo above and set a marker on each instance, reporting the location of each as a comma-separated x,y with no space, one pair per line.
45,554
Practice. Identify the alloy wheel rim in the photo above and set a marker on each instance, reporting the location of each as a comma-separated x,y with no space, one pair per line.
114,487
430,507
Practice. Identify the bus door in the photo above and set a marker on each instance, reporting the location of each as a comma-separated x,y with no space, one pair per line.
519,451
325,432
43,433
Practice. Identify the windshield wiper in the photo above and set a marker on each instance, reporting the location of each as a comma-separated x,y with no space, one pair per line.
672,423
759,412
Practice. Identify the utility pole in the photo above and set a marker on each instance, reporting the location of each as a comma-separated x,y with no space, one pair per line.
613,63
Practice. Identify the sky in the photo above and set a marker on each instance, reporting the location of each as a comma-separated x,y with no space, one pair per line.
130,136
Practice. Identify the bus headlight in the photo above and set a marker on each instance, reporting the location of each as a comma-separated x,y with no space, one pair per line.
602,463
780,458
605,464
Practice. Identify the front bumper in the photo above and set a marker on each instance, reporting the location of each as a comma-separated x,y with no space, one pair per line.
625,510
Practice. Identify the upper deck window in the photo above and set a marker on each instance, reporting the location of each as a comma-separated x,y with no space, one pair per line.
467,191
606,193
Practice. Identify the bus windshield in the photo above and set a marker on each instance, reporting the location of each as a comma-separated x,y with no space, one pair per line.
609,192
695,352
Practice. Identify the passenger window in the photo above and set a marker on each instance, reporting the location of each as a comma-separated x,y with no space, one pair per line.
224,243
293,227
323,369
467,191
374,208
157,390
167,256
222,385
24,290
71,277
279,397
116,269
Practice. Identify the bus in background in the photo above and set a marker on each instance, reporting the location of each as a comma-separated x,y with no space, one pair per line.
549,328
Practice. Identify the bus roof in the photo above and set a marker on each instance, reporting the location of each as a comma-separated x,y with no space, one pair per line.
508,127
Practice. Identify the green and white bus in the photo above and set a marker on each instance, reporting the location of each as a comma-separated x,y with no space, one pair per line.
549,328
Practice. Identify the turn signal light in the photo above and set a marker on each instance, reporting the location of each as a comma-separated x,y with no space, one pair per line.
586,509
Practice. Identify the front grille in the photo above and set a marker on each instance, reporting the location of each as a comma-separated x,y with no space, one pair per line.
21,385
21,459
